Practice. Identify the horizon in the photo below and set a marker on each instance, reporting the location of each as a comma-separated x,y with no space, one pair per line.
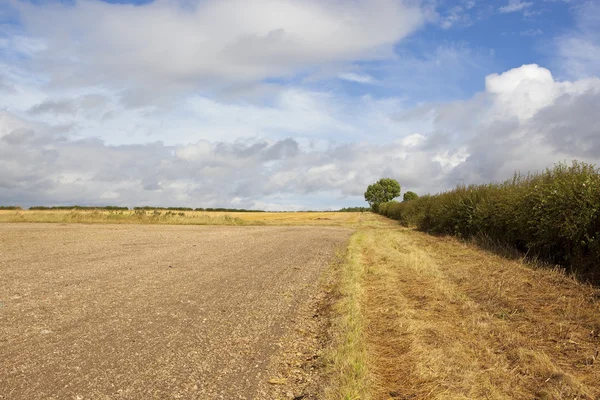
288,105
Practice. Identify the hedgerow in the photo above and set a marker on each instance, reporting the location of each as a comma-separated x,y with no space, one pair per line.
76,207
553,215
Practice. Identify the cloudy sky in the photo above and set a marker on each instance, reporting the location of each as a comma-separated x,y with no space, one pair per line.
288,104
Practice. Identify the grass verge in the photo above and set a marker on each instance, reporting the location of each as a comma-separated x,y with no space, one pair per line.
347,357
426,317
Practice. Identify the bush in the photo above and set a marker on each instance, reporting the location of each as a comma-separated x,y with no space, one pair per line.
408,196
16,208
554,215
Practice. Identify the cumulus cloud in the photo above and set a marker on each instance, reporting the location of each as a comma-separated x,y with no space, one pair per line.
188,103
35,167
524,120
210,41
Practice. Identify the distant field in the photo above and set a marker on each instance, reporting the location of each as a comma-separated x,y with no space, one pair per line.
191,217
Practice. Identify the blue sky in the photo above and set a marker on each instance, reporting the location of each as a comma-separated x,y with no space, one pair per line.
288,104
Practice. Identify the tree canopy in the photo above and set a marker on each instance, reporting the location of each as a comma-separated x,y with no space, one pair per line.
382,191
408,196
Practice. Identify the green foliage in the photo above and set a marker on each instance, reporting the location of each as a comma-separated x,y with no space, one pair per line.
408,196
107,208
553,215
382,191
150,208
354,209
16,208
228,209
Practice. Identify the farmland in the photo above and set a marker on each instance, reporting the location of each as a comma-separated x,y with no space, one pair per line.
99,311
189,217
281,305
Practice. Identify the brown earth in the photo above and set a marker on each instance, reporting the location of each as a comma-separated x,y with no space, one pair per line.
121,311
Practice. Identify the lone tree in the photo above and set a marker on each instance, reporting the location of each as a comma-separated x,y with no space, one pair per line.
408,196
382,191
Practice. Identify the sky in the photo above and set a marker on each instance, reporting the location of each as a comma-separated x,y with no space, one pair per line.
288,104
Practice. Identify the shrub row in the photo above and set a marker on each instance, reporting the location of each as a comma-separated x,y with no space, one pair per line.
553,215
354,209
116,208
111,208
150,208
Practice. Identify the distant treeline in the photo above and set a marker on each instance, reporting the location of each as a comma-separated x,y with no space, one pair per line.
553,216
149,208
117,208
354,209
110,208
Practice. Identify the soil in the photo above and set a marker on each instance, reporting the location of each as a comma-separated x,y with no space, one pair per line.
146,311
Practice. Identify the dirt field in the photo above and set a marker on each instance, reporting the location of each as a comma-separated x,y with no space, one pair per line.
148,311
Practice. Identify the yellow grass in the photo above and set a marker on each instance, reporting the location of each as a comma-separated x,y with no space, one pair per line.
347,358
447,320
193,217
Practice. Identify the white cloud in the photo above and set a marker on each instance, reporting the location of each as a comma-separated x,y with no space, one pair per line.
527,121
166,103
173,44
532,32
514,6
457,15
358,78
578,52
524,120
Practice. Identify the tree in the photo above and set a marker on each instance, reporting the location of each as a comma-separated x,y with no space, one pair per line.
408,196
382,191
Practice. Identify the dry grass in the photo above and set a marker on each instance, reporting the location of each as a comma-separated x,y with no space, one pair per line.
447,320
195,217
347,357
122,217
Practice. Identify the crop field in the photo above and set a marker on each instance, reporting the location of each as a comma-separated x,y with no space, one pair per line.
189,217
322,305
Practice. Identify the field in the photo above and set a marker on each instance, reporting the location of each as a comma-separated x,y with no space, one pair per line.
281,306
101,311
190,217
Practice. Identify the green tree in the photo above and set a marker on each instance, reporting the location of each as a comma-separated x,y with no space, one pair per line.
382,191
408,196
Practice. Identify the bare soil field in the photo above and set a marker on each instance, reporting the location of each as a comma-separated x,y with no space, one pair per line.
150,311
